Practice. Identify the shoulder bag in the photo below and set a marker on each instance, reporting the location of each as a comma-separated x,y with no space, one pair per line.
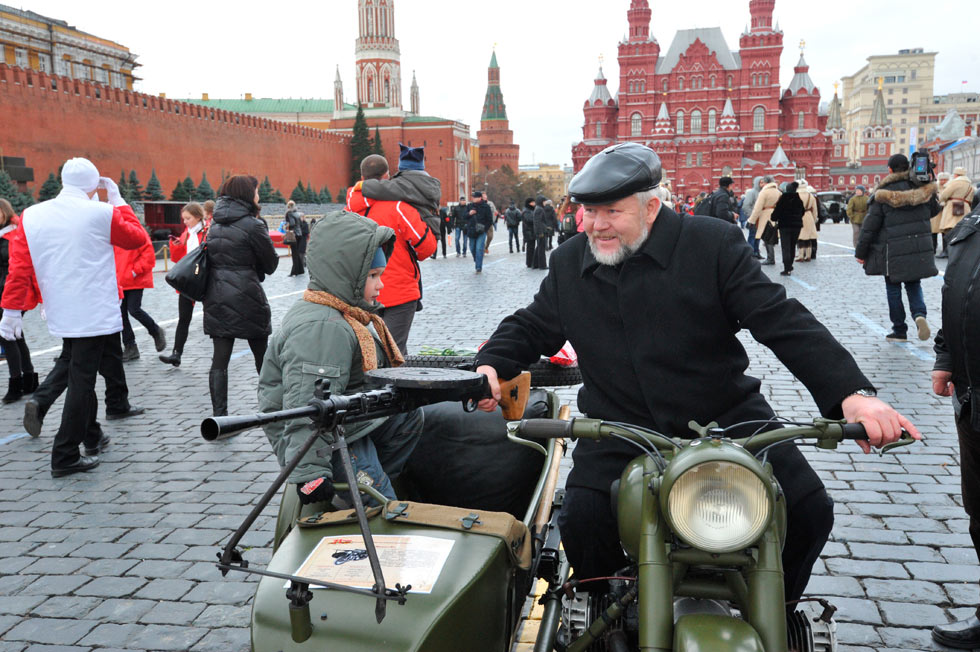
190,275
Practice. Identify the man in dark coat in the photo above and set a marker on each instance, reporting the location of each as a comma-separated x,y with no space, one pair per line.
722,201
512,216
896,242
957,364
540,222
652,303
459,226
479,221
788,216
527,225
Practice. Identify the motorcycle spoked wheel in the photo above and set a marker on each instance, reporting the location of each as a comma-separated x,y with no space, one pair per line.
543,373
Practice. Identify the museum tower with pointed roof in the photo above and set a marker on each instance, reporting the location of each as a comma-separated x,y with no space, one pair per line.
496,140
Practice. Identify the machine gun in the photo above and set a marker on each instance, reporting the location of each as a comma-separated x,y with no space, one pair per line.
402,389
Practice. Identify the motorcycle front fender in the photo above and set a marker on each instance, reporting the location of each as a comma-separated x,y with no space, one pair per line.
715,633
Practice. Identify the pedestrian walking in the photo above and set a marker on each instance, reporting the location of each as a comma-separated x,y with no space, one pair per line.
762,216
240,256
720,203
934,224
895,243
955,199
807,243
134,273
294,238
957,363
496,217
401,296
550,222
479,222
444,223
857,210
527,228
459,226
748,205
23,378
787,214
540,234
512,216
81,296
195,231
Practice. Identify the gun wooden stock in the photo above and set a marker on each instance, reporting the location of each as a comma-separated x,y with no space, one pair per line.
514,394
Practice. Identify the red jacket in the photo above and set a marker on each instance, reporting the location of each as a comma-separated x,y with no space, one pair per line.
33,297
178,246
414,242
134,267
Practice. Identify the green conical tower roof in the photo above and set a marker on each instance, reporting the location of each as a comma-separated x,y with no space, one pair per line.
879,116
493,105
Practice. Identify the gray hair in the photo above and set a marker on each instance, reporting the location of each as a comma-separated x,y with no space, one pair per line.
768,179
644,196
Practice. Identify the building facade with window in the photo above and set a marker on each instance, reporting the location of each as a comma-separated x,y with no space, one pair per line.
707,110
34,42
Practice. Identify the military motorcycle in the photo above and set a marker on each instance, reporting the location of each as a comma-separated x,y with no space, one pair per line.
702,520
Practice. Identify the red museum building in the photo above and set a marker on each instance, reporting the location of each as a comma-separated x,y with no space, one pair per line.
709,111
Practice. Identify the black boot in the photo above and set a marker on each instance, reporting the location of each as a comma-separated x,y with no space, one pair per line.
15,390
173,358
30,381
130,352
218,385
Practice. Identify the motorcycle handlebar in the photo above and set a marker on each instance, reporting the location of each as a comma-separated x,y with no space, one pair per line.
546,428
854,431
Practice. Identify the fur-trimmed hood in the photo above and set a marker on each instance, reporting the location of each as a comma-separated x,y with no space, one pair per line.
898,198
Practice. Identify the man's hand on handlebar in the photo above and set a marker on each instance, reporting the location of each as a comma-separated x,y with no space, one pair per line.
881,421
490,404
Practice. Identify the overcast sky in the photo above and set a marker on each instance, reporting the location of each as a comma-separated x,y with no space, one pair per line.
548,50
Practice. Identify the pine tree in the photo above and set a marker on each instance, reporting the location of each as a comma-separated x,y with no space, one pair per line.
180,193
189,187
265,191
50,188
325,197
376,147
342,196
204,190
299,193
312,197
277,197
153,190
135,188
360,145
124,188
8,190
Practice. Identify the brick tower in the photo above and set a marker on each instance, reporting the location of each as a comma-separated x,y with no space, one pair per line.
497,147
377,56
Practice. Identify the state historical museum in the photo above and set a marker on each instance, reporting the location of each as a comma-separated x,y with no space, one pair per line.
709,111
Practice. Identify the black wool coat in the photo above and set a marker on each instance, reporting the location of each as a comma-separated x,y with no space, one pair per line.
240,255
788,213
896,238
656,340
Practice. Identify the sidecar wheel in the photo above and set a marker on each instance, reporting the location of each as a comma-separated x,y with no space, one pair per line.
543,373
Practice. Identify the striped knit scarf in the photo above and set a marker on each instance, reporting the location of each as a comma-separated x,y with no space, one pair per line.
358,320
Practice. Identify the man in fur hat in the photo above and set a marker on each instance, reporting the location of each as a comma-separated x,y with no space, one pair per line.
955,198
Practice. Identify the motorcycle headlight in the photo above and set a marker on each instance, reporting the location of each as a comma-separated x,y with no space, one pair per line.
719,506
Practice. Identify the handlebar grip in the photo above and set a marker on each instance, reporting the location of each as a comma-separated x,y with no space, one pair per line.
854,431
545,428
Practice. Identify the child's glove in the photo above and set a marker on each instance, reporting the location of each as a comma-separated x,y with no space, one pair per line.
315,491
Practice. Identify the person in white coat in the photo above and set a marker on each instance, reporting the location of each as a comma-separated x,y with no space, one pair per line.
66,245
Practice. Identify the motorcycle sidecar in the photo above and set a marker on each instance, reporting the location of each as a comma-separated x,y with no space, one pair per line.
463,479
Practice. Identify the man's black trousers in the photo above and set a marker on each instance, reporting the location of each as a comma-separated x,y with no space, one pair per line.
540,247
787,240
87,357
529,251
970,474
591,538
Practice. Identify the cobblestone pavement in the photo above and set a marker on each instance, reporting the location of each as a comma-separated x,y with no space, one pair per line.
121,557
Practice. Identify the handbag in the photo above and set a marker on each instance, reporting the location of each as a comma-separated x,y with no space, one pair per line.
289,237
770,234
190,275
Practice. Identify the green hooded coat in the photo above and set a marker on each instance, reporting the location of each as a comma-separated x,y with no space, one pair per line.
315,341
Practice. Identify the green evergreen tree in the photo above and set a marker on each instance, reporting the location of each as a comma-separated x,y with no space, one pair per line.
325,197
265,191
135,188
180,193
298,194
50,188
153,190
360,145
8,190
312,197
204,190
124,188
189,187
342,196
277,197
376,146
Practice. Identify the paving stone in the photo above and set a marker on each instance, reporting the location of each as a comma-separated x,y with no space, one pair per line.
856,634
19,605
825,585
943,572
224,640
228,592
856,610
863,568
56,565
55,584
116,636
121,610
908,614
173,613
112,587
57,648
108,567
57,631
870,535
894,553
164,589
963,594
224,615
912,639
157,550
898,590
66,606
158,568
168,637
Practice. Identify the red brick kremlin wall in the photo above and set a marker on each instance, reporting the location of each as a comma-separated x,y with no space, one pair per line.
48,119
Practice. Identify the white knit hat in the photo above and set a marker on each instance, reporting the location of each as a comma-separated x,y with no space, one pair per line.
80,173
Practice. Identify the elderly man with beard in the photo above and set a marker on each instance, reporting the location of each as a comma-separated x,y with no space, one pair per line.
652,304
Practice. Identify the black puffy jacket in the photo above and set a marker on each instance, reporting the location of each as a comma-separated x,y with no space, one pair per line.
527,222
896,239
788,212
240,254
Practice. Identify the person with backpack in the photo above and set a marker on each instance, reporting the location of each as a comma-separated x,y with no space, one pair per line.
568,226
720,203
512,216
527,225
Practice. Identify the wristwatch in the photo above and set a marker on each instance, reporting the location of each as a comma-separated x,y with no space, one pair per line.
865,391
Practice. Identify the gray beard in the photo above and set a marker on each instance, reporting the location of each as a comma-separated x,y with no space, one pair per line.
621,254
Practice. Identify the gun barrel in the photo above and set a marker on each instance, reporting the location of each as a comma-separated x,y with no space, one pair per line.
214,428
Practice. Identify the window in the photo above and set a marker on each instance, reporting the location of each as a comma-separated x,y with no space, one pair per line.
370,89
757,148
387,90
20,57
636,124
765,79
730,78
889,102
700,160
853,179
905,91
905,100
631,86
712,120
800,121
598,130
759,119
695,122
840,180
891,90
837,154
680,83
889,80
864,179
882,149
711,81
680,122
666,85
44,63
688,159
877,178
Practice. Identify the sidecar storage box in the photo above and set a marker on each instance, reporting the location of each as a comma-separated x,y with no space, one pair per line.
468,608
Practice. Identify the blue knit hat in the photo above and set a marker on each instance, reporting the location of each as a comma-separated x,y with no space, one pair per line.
379,259
411,158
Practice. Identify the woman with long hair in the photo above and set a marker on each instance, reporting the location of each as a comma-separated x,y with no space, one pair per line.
240,255
23,379
195,230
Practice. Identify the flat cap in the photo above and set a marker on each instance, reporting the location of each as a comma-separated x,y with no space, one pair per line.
616,172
